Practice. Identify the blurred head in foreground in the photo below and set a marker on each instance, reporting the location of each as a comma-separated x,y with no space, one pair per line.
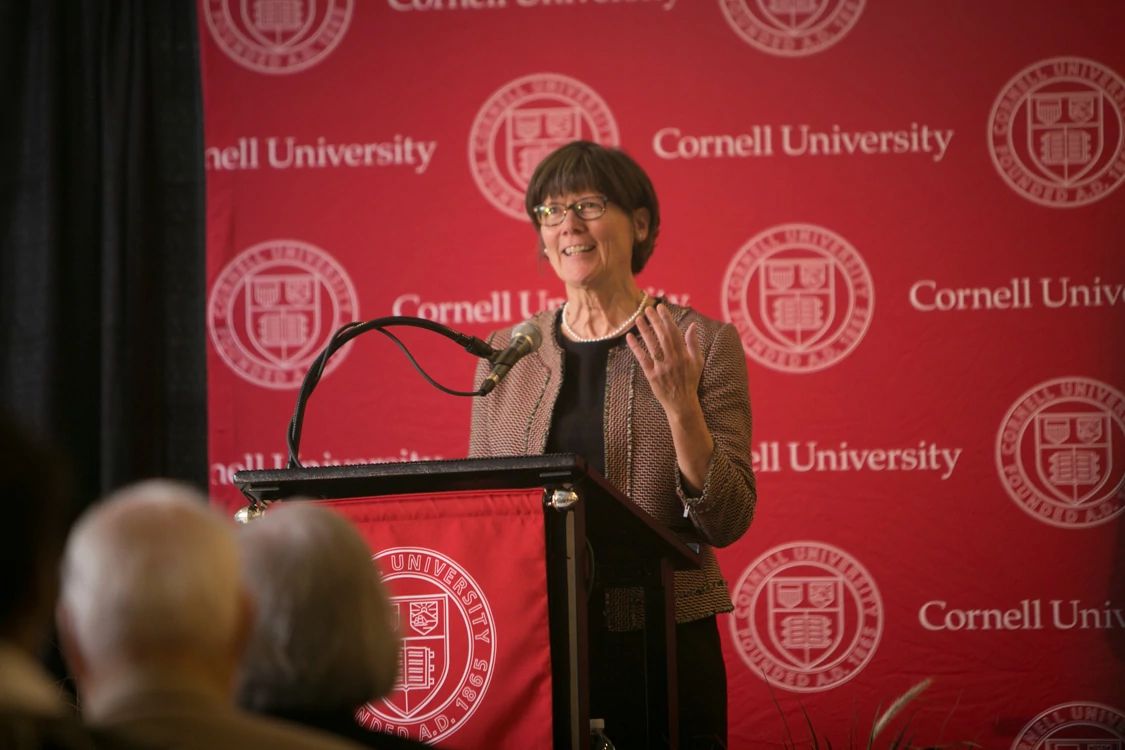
152,594
323,640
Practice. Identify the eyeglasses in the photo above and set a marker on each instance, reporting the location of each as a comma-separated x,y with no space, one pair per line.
588,208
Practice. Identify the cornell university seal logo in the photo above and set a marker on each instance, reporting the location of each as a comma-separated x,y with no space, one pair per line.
792,28
448,646
800,296
807,616
274,307
1074,726
1057,132
1061,452
524,121
277,36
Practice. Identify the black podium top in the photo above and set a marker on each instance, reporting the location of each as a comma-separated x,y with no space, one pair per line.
614,522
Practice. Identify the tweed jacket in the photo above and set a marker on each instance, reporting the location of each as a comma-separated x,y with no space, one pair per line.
640,459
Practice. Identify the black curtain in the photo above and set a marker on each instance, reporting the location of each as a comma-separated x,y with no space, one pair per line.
102,288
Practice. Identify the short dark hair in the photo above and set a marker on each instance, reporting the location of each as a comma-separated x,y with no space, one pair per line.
582,165
35,487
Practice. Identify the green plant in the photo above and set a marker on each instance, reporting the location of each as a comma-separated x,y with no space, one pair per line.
903,739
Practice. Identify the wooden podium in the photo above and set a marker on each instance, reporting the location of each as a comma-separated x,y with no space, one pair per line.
582,514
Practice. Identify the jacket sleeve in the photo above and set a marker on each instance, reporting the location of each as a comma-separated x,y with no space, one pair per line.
724,509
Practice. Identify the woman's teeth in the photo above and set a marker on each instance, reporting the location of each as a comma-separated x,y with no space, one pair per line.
575,249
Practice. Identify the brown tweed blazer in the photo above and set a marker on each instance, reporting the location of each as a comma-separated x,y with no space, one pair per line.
639,457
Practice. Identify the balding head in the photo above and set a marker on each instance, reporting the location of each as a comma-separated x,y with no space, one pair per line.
151,581
323,638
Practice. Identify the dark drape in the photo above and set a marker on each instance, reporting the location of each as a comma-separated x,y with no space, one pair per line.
102,278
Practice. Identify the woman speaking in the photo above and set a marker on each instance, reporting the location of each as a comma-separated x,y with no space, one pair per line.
655,397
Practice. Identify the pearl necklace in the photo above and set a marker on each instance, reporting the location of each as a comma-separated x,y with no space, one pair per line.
612,334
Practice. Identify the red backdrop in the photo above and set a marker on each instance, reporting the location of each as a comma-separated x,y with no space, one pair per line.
911,211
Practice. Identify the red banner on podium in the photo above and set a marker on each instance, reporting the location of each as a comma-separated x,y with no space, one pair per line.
467,576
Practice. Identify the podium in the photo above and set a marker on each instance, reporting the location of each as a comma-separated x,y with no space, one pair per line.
585,522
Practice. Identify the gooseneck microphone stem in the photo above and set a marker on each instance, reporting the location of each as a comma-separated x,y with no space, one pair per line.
349,331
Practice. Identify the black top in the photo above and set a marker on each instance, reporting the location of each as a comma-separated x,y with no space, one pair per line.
577,425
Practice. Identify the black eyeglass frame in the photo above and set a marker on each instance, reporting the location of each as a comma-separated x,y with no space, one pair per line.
578,206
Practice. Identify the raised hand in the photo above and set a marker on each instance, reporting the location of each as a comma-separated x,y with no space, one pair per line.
673,364
671,361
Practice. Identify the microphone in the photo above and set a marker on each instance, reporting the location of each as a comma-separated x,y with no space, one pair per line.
526,338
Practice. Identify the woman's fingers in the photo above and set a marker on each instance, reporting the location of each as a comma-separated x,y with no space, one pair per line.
650,337
640,353
671,340
671,361
691,341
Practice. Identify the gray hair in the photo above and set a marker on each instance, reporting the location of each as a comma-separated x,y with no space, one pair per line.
152,571
324,637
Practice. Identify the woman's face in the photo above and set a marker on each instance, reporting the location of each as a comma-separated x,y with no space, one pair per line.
593,253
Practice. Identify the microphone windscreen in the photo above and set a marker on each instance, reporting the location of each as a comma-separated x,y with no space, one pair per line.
530,331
